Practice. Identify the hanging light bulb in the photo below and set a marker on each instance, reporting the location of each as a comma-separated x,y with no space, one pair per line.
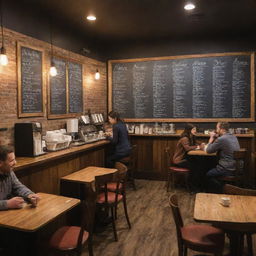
3,56
97,75
53,70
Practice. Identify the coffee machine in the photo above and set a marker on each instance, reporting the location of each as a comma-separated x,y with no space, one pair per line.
28,139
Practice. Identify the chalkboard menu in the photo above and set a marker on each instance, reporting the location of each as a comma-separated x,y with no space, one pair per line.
66,89
30,81
199,88
75,82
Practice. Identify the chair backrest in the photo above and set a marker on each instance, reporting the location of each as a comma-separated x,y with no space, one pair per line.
173,201
101,182
233,190
88,208
240,158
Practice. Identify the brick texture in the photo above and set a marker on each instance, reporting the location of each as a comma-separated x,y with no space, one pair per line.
95,91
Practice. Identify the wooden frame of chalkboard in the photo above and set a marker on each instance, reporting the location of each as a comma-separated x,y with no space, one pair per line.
31,82
67,87
223,87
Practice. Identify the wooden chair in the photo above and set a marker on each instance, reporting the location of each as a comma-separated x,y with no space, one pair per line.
233,190
109,199
70,240
130,162
173,171
237,178
201,238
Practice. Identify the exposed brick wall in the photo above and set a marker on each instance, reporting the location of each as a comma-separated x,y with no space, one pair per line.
95,92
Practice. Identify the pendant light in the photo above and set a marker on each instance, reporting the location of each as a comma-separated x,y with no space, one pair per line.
3,56
97,74
53,70
189,5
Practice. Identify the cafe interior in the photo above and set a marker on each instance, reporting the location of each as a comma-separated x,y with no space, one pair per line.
65,64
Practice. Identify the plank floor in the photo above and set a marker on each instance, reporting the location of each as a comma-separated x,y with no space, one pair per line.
153,231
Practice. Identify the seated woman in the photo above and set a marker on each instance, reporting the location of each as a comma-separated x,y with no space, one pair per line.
186,143
119,139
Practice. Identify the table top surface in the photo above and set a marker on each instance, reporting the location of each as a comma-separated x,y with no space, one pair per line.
199,152
87,175
30,219
209,209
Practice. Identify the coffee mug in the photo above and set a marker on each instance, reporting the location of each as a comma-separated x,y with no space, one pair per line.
225,201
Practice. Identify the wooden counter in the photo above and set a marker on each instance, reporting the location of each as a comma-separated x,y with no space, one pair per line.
152,162
43,173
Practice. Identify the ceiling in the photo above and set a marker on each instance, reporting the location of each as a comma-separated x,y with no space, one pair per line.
122,20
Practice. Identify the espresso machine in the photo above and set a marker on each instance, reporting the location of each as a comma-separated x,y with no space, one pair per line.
28,139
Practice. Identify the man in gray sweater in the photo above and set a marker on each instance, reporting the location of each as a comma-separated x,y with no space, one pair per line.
224,144
12,192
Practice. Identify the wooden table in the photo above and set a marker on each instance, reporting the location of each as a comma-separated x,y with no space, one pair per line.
199,152
87,175
240,216
30,219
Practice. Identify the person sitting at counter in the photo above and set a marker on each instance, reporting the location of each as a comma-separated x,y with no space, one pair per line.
224,144
119,139
12,192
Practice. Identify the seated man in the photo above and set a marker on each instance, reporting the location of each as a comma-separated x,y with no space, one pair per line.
224,144
12,195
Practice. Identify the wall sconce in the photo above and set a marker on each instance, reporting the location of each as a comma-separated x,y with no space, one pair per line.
97,75
3,56
53,70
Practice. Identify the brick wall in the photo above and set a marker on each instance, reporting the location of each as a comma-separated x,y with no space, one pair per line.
95,91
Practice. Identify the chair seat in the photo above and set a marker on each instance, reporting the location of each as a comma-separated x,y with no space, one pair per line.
112,186
65,238
125,160
111,198
203,236
178,169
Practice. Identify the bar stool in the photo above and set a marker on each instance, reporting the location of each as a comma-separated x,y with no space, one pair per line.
173,170
130,162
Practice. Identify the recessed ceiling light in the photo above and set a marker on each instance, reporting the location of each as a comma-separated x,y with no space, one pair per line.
91,17
189,6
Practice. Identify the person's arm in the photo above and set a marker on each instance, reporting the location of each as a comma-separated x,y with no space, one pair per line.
114,139
213,147
3,205
185,144
18,188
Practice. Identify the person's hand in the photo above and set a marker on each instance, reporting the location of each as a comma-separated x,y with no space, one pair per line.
202,146
34,198
109,134
15,202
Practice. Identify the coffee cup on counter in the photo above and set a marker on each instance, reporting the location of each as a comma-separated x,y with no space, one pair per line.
225,201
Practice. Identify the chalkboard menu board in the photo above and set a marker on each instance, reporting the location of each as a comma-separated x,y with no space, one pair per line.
199,88
75,82
30,81
66,89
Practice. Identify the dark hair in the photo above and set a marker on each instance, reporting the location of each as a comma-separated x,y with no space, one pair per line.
114,114
224,125
187,133
4,151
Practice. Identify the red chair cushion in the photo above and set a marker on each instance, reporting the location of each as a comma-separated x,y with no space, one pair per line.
65,238
178,169
112,186
203,235
111,198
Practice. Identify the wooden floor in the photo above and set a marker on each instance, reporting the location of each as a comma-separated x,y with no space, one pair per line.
153,231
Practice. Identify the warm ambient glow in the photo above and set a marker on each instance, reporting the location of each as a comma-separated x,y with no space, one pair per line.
97,75
189,6
3,57
91,17
53,71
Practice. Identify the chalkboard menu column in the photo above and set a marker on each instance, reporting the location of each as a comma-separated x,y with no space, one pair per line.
66,89
30,81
